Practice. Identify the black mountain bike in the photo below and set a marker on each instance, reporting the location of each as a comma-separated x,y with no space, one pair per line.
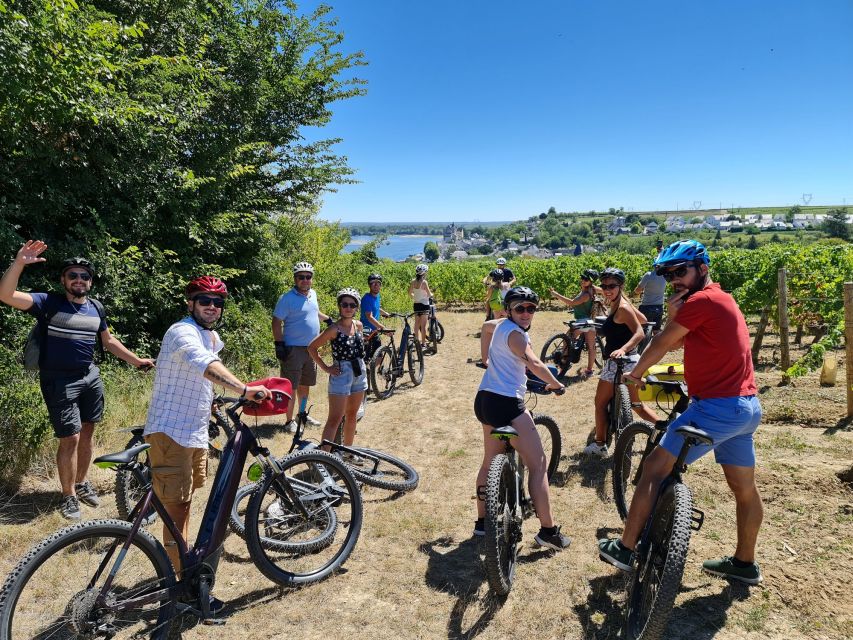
387,364
661,552
639,438
564,350
507,506
435,332
619,409
101,578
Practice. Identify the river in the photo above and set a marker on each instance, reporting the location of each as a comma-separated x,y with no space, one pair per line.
395,247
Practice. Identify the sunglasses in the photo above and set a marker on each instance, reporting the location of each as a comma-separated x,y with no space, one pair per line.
75,275
608,287
348,305
584,279
305,276
525,308
680,272
206,301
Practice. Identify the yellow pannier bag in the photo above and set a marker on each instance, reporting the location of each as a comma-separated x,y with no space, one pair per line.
670,371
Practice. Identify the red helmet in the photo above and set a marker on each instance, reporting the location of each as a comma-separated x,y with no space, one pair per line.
206,284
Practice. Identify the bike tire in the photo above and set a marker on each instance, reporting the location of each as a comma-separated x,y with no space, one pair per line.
337,489
628,454
415,356
599,352
502,526
236,522
439,331
219,430
129,491
392,473
35,591
557,351
662,566
552,442
619,414
382,376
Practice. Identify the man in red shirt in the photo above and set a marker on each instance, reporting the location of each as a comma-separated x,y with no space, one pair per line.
719,375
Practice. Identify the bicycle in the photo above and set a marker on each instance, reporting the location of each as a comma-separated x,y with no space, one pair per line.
563,349
435,332
619,410
387,363
131,481
102,577
639,438
507,506
661,552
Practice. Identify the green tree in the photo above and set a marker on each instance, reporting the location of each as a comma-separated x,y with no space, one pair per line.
789,215
753,243
431,252
835,224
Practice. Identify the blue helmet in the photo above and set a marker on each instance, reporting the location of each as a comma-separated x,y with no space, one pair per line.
682,252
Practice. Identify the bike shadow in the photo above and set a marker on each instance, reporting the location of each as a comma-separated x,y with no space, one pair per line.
249,600
456,569
603,614
19,508
592,471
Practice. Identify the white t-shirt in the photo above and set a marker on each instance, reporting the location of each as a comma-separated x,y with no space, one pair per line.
506,375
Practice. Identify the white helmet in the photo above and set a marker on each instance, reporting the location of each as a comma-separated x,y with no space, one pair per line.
500,261
421,268
300,267
352,293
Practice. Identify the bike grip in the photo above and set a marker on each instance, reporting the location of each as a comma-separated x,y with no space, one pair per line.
559,392
259,395
145,367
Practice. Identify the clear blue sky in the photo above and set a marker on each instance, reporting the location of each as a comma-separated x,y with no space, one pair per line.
497,110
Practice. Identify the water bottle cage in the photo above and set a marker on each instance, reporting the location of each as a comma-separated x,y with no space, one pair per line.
697,519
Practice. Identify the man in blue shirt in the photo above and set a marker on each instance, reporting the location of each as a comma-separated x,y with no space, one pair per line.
70,382
295,323
371,311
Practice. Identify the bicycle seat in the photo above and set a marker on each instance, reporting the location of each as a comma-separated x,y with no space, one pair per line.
120,458
690,432
504,433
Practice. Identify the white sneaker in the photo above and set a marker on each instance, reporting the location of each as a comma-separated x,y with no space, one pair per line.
313,422
290,427
595,449
360,414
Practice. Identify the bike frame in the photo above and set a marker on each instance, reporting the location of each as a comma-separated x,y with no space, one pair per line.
400,354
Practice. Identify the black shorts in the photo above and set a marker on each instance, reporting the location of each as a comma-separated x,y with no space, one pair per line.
421,309
72,398
496,410
653,313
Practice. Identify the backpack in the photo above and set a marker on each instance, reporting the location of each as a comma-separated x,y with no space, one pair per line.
32,355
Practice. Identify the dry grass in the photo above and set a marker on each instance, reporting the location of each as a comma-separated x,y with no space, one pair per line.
416,570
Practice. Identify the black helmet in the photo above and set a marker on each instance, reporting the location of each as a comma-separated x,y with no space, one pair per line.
374,277
520,294
613,272
590,274
77,261
496,274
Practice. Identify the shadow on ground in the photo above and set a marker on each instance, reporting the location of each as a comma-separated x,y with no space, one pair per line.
23,509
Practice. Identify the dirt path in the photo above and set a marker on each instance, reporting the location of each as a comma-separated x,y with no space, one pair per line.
416,571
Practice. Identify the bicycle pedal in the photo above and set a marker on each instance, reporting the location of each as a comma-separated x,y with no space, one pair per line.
697,519
213,621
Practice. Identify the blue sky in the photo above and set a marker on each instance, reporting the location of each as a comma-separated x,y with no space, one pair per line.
496,110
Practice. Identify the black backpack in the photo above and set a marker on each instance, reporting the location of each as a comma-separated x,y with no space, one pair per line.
33,348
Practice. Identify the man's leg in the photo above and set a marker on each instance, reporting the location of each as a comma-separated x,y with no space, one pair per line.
180,513
84,451
750,511
66,463
656,467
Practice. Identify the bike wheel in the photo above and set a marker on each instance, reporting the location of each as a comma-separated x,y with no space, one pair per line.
324,524
292,509
439,331
631,448
557,351
552,442
52,591
129,490
415,356
619,413
657,576
432,336
599,352
382,377
389,473
502,525
218,432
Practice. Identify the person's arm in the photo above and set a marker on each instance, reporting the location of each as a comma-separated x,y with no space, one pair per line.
29,253
426,286
384,313
117,348
412,288
639,290
277,329
521,348
219,374
314,350
374,321
323,317
629,318
670,338
486,333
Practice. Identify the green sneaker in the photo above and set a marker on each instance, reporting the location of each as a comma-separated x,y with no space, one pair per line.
725,568
611,550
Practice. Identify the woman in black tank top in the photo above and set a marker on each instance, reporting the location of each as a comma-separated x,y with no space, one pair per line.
622,331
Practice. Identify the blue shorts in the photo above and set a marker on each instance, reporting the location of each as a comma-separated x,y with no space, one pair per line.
730,422
347,382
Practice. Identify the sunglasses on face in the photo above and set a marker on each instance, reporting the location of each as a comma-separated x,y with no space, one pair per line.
348,305
525,308
584,279
304,276
74,275
608,287
206,301
680,272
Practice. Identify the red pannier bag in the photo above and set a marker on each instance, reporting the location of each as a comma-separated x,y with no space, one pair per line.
282,392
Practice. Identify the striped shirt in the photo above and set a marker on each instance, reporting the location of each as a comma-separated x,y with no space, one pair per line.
71,333
180,403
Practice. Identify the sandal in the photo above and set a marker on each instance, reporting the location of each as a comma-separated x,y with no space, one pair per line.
587,373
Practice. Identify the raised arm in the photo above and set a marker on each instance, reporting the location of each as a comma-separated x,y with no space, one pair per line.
29,253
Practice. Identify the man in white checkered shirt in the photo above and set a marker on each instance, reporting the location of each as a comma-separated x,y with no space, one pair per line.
176,427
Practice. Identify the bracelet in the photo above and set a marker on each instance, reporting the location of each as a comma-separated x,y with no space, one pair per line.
245,389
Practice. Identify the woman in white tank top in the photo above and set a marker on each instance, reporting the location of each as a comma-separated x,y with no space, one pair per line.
419,290
507,354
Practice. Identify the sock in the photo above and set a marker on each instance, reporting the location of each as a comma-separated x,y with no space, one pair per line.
548,531
303,402
740,564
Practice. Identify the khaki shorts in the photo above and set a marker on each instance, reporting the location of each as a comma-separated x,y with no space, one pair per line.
298,367
176,471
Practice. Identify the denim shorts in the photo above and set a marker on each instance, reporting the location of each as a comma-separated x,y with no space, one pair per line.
730,422
608,373
347,382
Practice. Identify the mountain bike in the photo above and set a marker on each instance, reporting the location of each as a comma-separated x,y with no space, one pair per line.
546,426
104,577
648,334
619,411
639,438
507,506
564,349
661,552
131,481
387,364
435,332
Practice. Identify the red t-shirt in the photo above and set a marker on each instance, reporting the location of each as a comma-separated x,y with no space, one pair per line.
717,355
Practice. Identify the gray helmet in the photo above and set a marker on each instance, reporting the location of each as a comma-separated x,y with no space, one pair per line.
613,272
77,261
421,269
374,277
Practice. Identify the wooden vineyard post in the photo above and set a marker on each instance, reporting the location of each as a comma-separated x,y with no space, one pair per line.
848,342
783,326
